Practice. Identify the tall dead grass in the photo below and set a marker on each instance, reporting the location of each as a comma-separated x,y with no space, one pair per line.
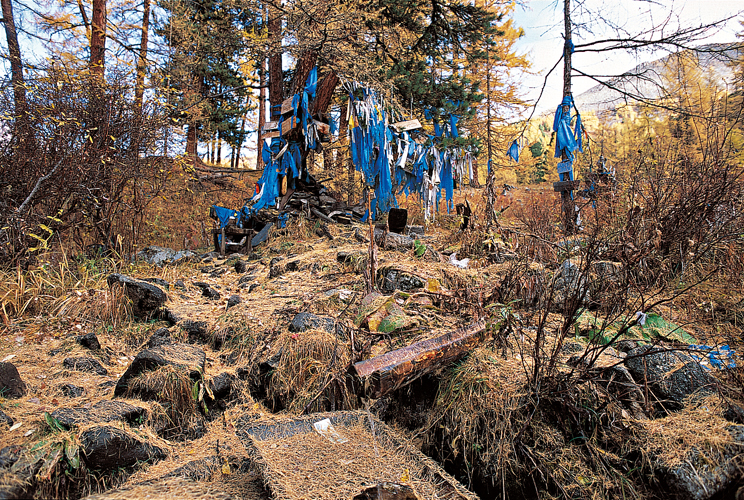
310,375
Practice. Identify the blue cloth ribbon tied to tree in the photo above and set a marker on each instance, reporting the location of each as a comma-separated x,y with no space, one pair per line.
567,141
513,152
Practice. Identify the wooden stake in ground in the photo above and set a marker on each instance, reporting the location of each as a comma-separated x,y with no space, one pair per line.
372,261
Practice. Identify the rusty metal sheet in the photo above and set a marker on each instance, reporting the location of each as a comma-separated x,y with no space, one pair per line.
396,369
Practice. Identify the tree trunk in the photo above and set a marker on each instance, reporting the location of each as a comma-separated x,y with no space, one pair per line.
219,149
476,181
569,210
191,141
240,143
139,88
261,101
98,40
276,80
395,369
324,94
23,125
302,70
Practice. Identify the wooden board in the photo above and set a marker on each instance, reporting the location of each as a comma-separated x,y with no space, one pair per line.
269,126
566,185
270,135
407,125
287,105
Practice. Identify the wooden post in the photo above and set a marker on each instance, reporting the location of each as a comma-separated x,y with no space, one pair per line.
222,242
567,202
372,266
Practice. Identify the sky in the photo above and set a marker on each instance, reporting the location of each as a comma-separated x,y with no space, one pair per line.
542,21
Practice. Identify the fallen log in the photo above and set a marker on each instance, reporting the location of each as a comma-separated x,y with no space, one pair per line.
395,369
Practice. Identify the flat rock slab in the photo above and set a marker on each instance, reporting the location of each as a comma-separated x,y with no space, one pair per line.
390,279
159,256
190,358
103,411
11,384
84,364
106,447
308,321
146,298
393,241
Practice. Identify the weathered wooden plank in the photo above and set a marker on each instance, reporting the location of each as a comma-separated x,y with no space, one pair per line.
566,185
287,105
269,126
399,368
289,124
270,135
407,125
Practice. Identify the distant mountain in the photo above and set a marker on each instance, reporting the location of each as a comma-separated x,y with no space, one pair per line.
646,79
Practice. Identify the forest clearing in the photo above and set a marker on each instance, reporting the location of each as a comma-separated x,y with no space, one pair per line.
415,286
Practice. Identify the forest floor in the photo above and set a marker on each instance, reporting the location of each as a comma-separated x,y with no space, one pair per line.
535,408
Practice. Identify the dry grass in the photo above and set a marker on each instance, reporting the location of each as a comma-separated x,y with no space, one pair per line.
167,490
297,462
177,413
697,429
311,372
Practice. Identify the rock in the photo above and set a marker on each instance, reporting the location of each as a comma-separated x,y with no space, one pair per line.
207,290
390,279
11,384
221,385
198,331
179,284
625,345
234,300
89,340
392,241
84,364
209,256
5,419
241,266
188,357
569,282
277,270
161,336
10,455
704,475
734,413
307,321
672,376
146,298
106,447
246,279
416,231
72,391
159,256
571,347
158,281
102,411
217,273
